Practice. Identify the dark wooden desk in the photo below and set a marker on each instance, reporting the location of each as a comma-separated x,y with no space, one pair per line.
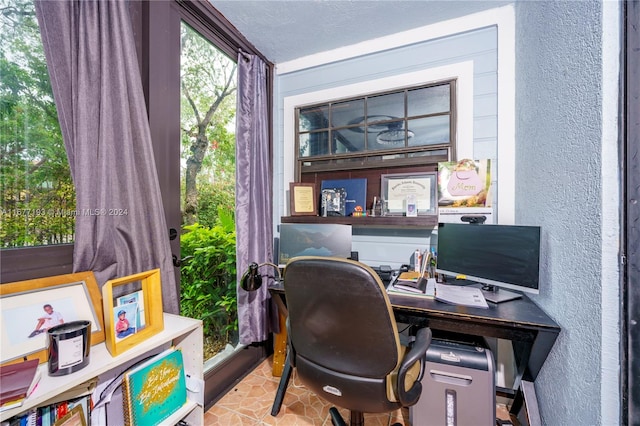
530,330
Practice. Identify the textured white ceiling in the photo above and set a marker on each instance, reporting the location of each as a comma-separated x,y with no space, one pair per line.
287,30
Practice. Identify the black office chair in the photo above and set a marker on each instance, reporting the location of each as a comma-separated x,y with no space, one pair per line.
344,342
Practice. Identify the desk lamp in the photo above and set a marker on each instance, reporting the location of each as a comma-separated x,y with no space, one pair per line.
252,280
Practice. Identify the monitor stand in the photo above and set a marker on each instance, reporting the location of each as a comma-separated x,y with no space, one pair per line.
497,295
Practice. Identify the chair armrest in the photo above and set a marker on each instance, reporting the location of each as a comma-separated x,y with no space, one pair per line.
416,353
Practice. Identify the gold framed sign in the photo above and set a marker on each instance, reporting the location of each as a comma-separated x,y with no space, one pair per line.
303,199
418,188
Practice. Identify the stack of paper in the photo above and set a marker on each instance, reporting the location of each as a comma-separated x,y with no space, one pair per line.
461,295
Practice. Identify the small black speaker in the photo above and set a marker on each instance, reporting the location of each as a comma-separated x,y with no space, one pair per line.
354,255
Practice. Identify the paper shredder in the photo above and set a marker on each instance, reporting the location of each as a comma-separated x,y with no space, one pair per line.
458,386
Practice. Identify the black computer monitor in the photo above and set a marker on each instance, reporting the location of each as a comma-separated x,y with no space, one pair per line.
505,256
313,239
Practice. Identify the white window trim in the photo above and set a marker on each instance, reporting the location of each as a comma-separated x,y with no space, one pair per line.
503,18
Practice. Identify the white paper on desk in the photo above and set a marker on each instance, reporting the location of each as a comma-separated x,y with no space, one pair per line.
459,295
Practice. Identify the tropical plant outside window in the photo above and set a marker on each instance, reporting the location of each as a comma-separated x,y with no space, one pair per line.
38,198
208,245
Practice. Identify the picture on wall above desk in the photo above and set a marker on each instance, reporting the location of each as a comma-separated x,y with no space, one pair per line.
464,183
303,199
355,193
400,189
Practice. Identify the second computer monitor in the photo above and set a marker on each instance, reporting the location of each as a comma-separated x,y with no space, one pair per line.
313,239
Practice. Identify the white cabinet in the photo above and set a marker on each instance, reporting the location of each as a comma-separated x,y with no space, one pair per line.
184,333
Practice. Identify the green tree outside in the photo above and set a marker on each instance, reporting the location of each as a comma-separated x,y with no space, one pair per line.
208,244
37,194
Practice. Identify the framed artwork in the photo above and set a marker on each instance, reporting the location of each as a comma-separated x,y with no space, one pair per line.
29,308
303,199
133,310
334,202
420,189
75,417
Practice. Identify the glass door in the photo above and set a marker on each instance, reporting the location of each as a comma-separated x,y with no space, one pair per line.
207,187
188,69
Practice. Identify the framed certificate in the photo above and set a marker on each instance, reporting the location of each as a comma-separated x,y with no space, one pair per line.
303,199
418,188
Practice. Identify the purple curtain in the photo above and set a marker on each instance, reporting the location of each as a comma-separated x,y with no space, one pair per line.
120,223
254,233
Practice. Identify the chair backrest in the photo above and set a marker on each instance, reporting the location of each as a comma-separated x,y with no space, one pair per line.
340,316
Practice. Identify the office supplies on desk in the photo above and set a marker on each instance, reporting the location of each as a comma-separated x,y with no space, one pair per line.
459,295
420,287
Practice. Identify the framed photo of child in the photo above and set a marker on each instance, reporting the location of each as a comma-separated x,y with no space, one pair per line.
29,308
133,310
126,320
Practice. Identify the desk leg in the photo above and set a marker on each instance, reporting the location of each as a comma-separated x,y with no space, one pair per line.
525,405
280,339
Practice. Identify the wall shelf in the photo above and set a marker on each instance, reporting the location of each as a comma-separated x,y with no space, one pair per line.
369,221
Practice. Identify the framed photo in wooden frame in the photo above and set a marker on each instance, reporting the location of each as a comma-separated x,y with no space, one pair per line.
421,187
29,308
75,417
303,199
132,310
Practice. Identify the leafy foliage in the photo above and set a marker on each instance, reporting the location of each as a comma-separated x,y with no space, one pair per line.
37,193
212,197
208,278
207,113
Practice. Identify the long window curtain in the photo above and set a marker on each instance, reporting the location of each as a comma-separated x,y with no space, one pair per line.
254,232
120,223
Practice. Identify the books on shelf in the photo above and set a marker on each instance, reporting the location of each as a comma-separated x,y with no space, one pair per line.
76,412
155,389
17,382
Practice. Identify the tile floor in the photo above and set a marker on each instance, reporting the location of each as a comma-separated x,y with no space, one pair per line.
249,403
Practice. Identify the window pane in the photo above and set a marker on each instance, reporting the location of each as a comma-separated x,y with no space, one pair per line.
314,118
347,113
391,136
376,124
385,107
208,82
430,100
430,130
347,140
312,144
38,197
